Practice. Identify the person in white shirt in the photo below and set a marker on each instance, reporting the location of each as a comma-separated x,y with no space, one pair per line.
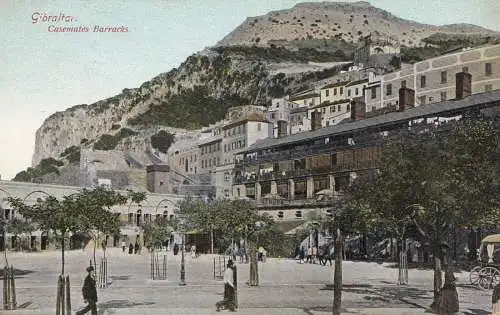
229,292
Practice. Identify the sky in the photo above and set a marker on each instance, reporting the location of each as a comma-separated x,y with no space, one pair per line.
42,72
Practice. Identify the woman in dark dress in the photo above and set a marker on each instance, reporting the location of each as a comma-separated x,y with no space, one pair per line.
448,297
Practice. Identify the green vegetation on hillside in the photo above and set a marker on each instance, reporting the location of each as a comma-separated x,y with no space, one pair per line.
72,154
439,44
162,141
34,174
191,109
109,142
279,54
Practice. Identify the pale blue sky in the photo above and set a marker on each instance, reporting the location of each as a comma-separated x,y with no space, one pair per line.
42,72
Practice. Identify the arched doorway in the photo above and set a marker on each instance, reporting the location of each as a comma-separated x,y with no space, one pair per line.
138,217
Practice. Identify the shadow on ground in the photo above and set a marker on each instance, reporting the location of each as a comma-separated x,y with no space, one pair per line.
120,277
17,272
385,294
476,312
102,307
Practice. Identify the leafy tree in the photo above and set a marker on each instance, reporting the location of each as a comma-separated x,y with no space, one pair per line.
236,218
85,211
155,233
436,180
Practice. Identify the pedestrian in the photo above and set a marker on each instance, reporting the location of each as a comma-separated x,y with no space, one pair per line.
261,253
124,246
89,293
130,249
136,248
193,251
448,297
176,249
314,254
309,255
495,300
229,292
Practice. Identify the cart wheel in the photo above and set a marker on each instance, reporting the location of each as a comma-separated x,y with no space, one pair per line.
486,277
495,279
474,275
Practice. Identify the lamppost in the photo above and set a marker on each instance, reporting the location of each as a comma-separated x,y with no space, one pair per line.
182,228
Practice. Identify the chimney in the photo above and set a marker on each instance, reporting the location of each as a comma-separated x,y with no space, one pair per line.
463,85
282,126
315,120
358,109
406,99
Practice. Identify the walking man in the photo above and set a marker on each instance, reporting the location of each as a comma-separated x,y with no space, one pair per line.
89,292
229,293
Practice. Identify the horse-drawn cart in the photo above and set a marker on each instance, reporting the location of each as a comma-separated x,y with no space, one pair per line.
487,274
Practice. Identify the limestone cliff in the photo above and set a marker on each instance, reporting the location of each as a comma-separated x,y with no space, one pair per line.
265,57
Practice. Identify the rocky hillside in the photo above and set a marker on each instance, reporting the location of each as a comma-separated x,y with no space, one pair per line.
338,20
266,57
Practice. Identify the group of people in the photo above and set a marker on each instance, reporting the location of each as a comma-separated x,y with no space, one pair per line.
132,249
314,254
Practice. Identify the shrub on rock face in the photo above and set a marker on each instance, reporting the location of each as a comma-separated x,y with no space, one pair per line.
109,142
162,141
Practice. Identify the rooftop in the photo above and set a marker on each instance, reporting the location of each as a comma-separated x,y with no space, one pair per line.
430,110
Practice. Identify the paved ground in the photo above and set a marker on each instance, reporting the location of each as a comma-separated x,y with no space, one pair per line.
286,287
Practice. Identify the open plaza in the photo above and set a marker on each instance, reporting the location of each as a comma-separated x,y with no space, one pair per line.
286,286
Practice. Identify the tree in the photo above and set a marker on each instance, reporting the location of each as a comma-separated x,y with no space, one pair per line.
449,173
85,211
230,218
17,227
155,233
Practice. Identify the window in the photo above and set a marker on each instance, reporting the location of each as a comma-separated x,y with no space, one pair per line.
422,100
281,214
487,69
273,116
389,89
225,148
332,109
422,81
348,107
403,84
487,88
259,127
226,193
339,108
327,123
349,92
335,91
374,108
444,77
341,90
374,92
218,146
357,91
323,110
465,69
298,214
443,96
327,93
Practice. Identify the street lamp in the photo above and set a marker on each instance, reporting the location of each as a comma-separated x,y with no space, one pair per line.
183,263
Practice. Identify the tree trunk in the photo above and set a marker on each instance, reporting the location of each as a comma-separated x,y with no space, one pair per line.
62,253
95,247
254,268
337,278
438,279
211,241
